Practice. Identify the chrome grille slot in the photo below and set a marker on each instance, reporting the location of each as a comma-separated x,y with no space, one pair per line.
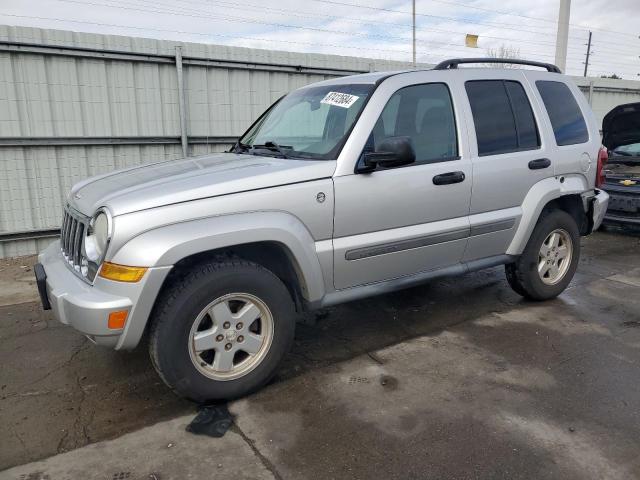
77,244
72,233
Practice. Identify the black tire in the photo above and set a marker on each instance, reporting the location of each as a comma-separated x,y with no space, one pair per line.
522,275
177,310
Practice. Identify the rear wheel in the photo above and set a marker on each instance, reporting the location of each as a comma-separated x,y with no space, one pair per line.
221,331
549,260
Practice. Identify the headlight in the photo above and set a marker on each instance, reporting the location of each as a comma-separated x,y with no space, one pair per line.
96,242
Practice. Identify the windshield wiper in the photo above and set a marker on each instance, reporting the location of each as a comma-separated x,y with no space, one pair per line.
271,145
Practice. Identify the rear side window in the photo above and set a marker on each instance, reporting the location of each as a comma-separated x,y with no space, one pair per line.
566,118
525,122
502,116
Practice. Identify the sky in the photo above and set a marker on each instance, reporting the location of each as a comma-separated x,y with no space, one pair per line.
362,28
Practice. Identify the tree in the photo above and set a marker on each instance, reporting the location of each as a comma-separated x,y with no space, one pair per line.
613,75
509,53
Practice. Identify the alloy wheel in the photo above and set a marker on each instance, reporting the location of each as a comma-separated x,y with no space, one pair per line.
231,336
554,257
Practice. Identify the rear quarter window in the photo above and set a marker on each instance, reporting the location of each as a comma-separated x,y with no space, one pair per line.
566,118
502,117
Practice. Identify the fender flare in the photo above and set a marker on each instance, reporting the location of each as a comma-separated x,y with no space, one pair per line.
167,245
536,199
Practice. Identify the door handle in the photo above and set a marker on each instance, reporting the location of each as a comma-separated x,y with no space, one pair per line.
448,178
539,163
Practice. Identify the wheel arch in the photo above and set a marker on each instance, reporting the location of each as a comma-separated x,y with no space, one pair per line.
562,192
277,240
574,206
272,255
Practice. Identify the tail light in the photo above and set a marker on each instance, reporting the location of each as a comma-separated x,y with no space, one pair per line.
603,156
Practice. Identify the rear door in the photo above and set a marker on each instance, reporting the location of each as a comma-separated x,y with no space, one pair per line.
571,125
508,156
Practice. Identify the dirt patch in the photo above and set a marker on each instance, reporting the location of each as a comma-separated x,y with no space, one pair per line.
17,281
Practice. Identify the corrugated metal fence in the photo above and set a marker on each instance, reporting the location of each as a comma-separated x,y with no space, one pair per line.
74,105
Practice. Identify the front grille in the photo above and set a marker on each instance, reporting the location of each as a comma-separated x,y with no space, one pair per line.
72,232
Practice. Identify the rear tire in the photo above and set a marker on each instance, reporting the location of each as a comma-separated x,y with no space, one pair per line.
549,260
221,330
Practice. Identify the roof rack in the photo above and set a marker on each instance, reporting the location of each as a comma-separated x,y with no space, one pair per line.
454,62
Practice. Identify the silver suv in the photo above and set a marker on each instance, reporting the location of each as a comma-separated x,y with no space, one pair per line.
342,189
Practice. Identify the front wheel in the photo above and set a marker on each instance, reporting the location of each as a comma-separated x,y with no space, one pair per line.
549,260
221,331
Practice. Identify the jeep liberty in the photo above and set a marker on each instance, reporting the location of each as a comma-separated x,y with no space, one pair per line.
343,189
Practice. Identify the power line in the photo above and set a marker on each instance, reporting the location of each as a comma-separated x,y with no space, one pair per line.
451,46
282,25
492,24
254,21
200,13
236,6
204,34
262,22
541,19
170,9
616,44
314,16
422,14
236,37
501,12
501,25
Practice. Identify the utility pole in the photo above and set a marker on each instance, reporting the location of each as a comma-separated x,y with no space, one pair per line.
586,63
562,38
414,33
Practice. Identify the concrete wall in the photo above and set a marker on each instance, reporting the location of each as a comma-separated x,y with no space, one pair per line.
74,105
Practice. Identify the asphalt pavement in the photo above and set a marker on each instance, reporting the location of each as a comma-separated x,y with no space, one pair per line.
459,378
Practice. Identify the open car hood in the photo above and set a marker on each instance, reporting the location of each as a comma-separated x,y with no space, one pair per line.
621,126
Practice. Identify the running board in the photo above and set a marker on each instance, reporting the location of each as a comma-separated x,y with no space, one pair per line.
378,288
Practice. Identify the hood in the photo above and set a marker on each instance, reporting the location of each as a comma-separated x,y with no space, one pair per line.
621,126
174,181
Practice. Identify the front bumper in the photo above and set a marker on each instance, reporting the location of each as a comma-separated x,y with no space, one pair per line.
86,307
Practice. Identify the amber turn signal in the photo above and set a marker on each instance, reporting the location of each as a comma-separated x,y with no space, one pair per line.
121,273
117,320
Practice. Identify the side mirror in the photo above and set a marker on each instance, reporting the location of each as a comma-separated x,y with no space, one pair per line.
392,152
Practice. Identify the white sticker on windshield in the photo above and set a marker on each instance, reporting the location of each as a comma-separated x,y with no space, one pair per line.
339,99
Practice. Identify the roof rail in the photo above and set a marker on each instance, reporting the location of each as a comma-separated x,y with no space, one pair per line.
454,62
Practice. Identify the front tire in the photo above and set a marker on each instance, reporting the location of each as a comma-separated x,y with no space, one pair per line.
549,260
221,331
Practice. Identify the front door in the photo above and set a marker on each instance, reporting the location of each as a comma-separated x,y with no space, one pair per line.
400,221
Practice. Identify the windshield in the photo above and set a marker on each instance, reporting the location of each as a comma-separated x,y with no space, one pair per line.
632,149
312,122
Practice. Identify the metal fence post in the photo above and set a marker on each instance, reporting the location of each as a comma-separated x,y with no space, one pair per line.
591,93
182,104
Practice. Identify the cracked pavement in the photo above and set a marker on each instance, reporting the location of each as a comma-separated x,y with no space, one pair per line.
458,378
